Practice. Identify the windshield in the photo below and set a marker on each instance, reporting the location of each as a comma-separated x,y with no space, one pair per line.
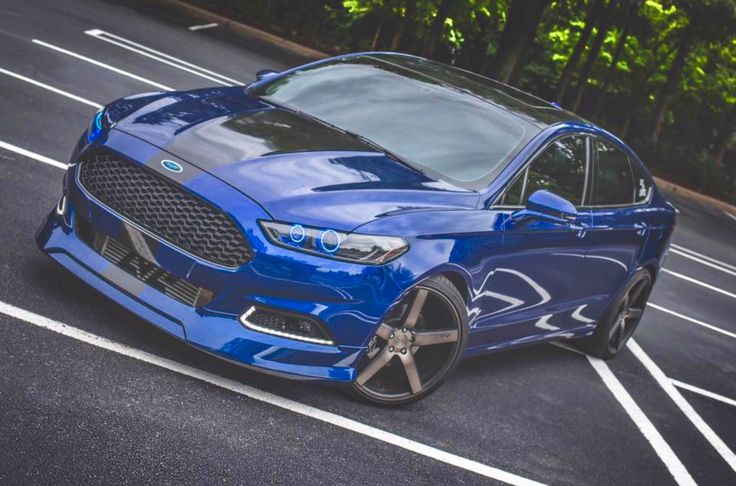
425,122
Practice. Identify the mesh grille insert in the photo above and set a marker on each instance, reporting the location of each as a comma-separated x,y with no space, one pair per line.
164,209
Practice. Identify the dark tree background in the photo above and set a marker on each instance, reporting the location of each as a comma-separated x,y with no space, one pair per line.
661,74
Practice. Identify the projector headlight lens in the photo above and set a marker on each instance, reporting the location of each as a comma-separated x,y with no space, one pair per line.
354,247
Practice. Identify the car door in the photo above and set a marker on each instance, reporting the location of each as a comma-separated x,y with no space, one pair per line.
534,286
618,204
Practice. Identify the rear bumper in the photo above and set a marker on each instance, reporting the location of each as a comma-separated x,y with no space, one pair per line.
348,299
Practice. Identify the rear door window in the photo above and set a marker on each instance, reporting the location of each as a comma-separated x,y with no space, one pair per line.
613,179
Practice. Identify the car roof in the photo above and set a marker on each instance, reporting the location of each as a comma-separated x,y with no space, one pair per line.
525,106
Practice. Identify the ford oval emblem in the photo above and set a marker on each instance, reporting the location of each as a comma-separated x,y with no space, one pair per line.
171,165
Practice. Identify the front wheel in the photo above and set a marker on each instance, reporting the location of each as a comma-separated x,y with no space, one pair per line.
419,343
622,319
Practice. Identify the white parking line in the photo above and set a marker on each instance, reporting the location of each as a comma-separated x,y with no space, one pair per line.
50,88
705,393
703,257
690,319
102,65
704,262
684,406
698,282
661,448
732,216
642,422
161,57
262,396
203,26
33,155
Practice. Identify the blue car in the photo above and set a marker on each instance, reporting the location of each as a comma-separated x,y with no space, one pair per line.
366,220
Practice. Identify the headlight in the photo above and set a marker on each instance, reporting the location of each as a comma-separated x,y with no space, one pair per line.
96,127
354,247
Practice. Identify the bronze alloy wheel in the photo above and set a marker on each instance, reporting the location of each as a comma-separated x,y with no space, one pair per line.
416,347
619,324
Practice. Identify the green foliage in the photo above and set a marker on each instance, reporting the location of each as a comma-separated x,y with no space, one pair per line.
704,93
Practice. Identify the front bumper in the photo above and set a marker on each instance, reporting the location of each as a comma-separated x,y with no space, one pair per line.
348,299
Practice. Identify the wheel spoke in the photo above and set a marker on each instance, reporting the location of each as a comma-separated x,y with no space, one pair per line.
621,333
428,338
384,331
616,332
374,366
416,308
410,366
634,313
636,293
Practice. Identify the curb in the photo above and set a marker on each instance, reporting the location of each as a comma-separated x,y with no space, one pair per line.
246,30
668,186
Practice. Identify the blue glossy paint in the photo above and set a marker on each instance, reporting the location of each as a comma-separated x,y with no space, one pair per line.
530,274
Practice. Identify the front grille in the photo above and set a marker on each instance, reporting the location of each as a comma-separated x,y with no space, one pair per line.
164,209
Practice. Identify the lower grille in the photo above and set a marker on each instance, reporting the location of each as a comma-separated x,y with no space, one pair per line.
150,273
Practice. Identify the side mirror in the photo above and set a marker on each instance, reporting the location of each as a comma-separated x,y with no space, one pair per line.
265,73
547,206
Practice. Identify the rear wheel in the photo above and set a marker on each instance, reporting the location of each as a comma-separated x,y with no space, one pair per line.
419,343
622,319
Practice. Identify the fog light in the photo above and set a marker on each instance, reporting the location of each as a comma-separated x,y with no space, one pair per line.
285,324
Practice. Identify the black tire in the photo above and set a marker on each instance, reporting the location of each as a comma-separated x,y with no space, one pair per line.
383,376
622,318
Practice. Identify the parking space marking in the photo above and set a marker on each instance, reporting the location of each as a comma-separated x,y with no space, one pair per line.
704,262
32,155
204,26
102,65
50,88
684,406
732,216
703,257
698,282
691,319
162,57
661,448
266,397
705,393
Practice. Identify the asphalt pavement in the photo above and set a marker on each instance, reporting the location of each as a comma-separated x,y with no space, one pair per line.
91,394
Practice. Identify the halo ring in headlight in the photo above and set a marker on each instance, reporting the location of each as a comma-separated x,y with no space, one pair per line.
329,246
297,233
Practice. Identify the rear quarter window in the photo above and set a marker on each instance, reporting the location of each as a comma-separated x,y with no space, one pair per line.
613,181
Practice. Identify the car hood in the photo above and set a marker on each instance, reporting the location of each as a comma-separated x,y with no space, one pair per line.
297,169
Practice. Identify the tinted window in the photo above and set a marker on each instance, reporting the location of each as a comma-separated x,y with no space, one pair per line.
614,184
417,117
559,169
642,186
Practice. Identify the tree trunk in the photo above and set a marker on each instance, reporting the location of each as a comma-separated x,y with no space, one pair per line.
633,8
627,121
670,86
411,7
377,35
521,26
595,50
725,134
590,20
435,31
